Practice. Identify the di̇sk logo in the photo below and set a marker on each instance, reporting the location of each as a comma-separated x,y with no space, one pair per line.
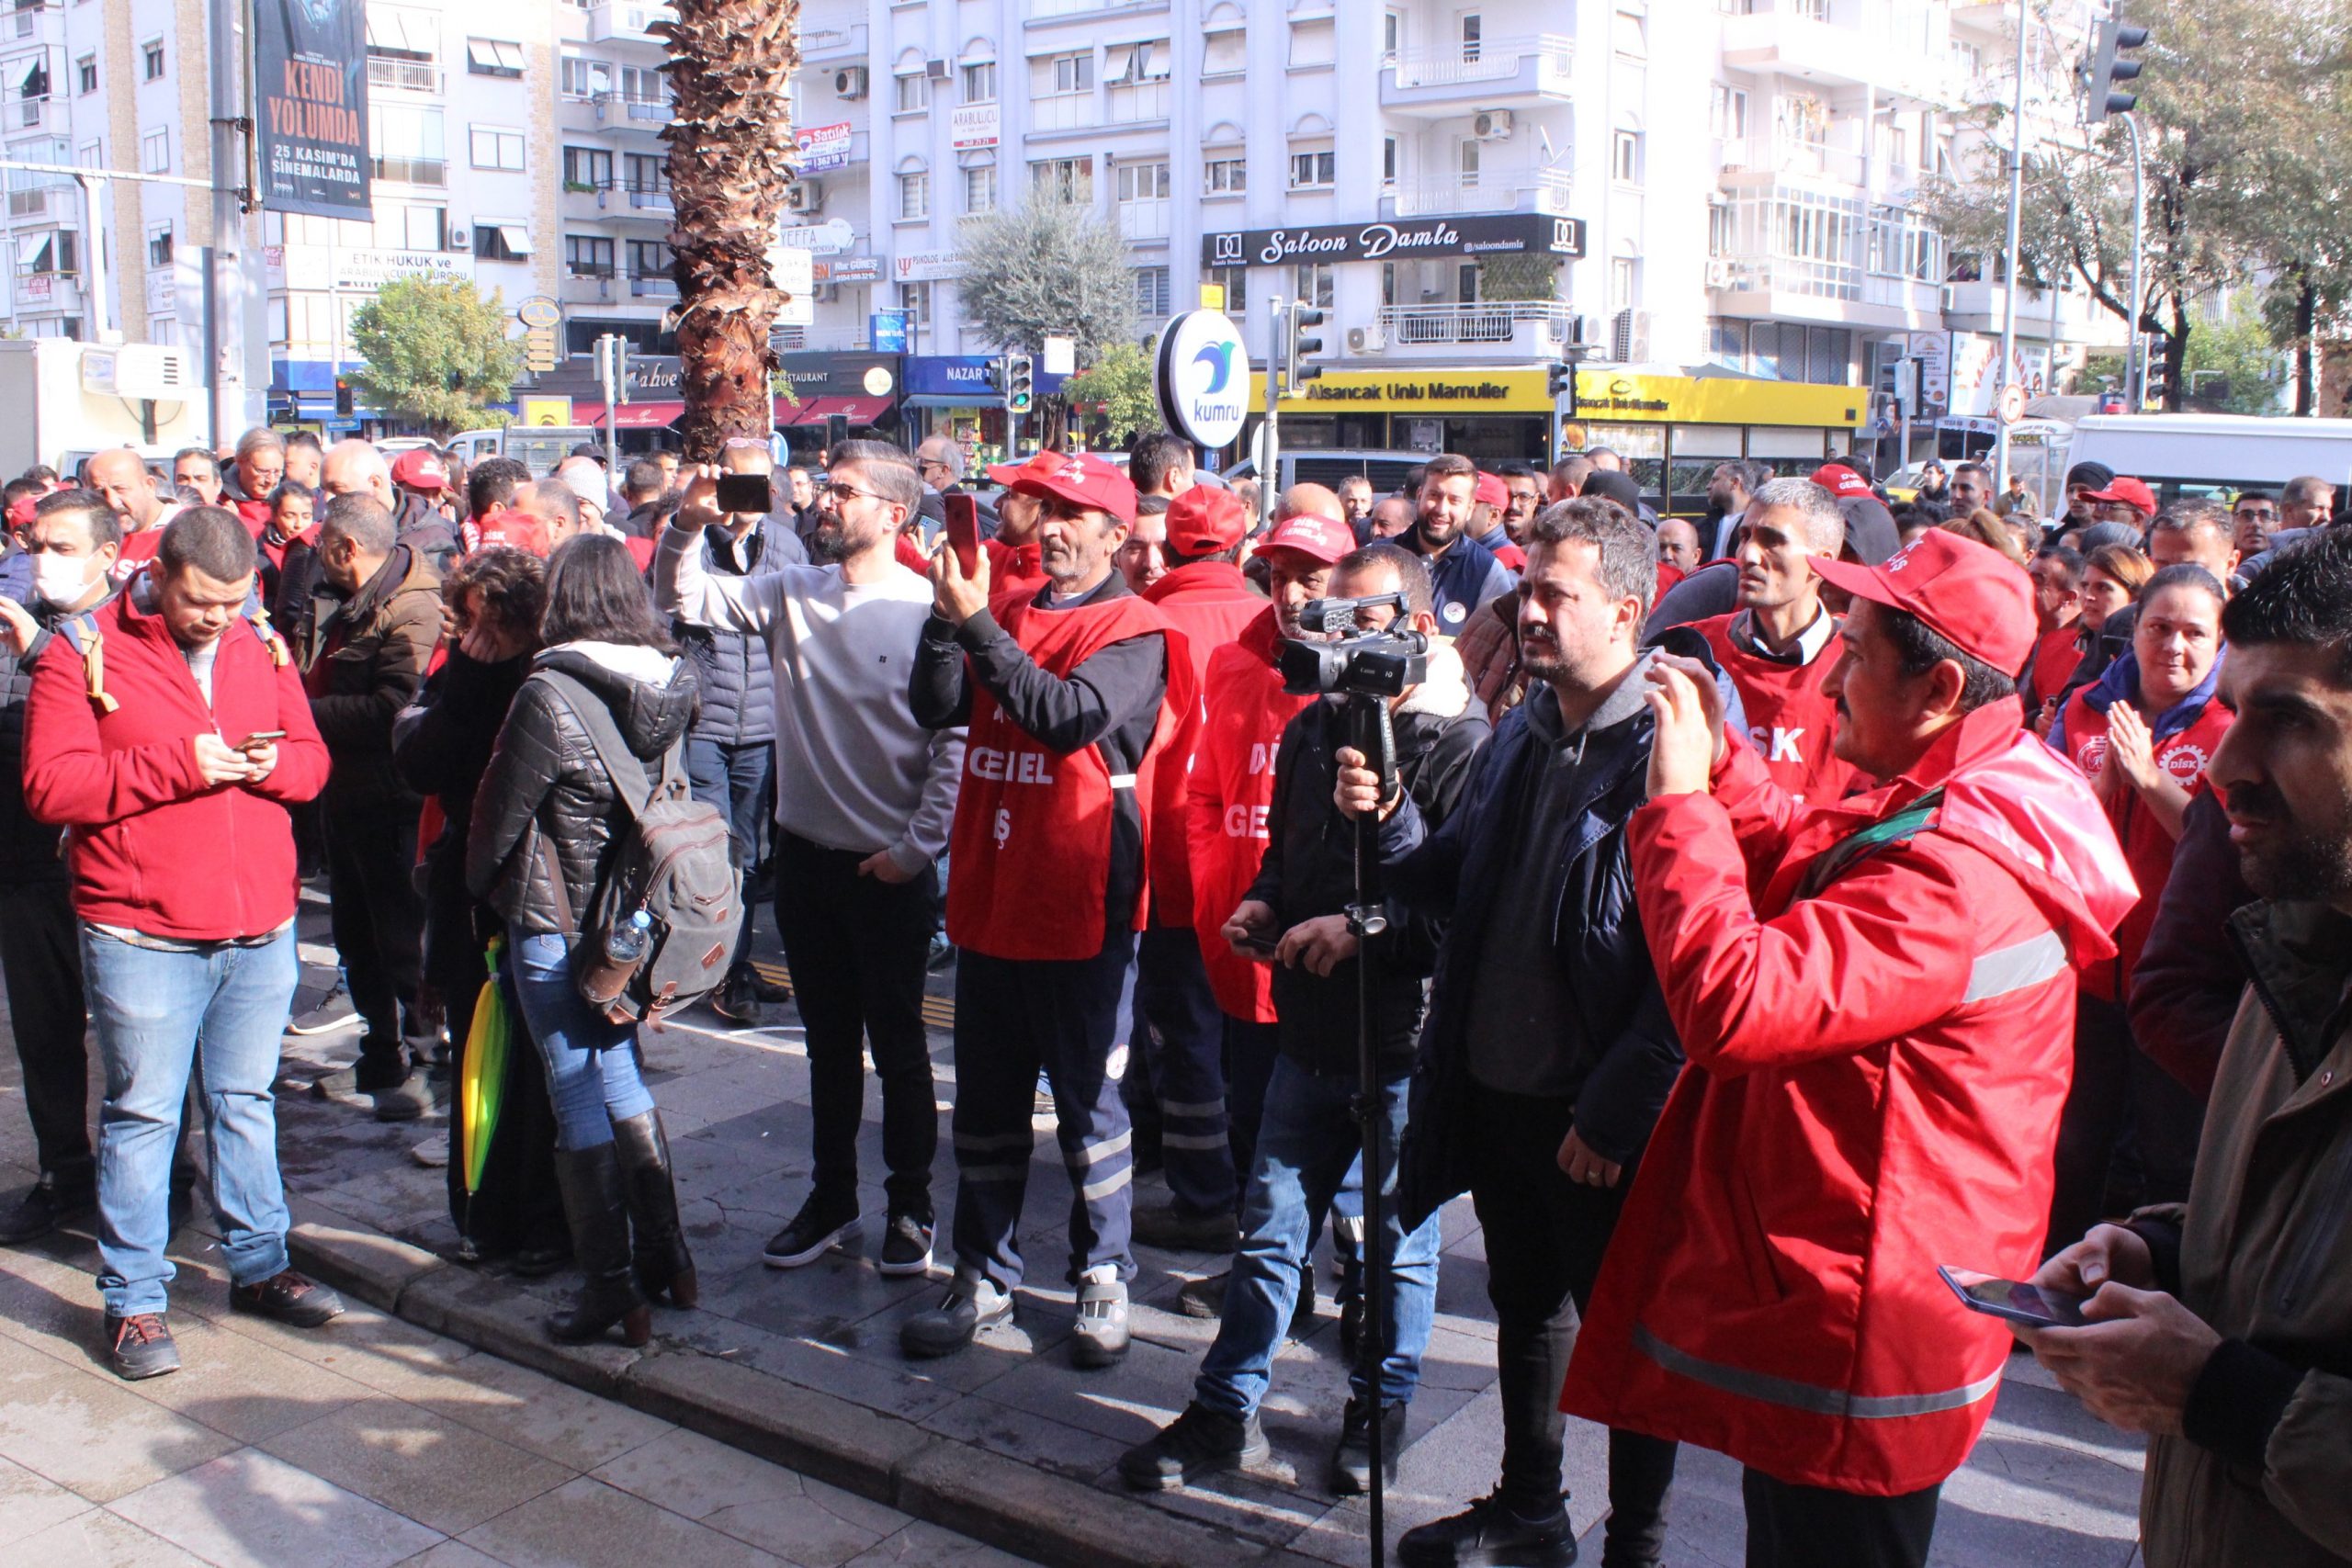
2185,762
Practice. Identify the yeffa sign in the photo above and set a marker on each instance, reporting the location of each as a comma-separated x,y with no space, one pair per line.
1516,234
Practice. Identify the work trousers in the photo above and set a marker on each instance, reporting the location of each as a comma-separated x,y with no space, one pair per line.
1791,1526
1184,1037
1545,1235
857,947
1013,1016
41,955
377,916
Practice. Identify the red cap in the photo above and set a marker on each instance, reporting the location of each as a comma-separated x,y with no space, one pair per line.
1312,534
1973,596
2131,493
1205,519
1840,480
420,469
1083,479
20,511
1491,490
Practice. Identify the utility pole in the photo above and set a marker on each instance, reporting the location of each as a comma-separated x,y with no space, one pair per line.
224,304
1269,437
2009,294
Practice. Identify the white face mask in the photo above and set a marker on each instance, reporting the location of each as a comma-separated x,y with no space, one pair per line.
59,580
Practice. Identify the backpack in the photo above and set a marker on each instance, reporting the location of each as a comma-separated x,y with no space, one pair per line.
675,862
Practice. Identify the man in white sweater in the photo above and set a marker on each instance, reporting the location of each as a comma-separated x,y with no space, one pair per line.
864,799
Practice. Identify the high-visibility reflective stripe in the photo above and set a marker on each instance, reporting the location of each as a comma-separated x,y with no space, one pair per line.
1194,1140
1192,1107
1109,1184
1095,1154
1123,781
983,1141
2017,968
993,1172
1820,1401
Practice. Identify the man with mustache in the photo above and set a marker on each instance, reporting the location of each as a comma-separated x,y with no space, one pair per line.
2224,1327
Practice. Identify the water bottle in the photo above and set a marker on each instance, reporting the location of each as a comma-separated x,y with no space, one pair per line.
626,946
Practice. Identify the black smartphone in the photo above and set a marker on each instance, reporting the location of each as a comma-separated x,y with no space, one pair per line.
745,492
1262,946
2013,1299
260,738
964,531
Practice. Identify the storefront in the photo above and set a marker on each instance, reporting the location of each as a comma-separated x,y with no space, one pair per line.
835,397
949,394
1482,412
1673,430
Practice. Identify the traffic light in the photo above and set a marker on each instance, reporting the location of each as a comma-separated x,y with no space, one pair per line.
1303,317
1560,379
344,402
992,374
2099,101
2159,353
1019,390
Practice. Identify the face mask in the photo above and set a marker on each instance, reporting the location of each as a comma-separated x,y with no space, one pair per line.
59,580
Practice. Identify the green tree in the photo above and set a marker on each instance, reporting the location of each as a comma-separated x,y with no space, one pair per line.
2233,367
1120,380
1048,267
436,352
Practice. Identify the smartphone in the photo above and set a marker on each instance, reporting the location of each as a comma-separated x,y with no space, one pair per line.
745,492
2012,1299
260,738
964,531
1263,946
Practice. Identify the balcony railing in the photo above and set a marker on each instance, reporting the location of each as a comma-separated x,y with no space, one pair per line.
28,112
1490,59
1490,190
653,200
653,287
1131,103
657,111
1144,220
404,75
1062,111
410,171
1794,158
1485,321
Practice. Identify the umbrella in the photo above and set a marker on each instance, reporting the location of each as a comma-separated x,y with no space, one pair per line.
481,1086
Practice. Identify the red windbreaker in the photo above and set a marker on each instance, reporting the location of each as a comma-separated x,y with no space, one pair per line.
152,847
1208,604
1226,798
1877,1067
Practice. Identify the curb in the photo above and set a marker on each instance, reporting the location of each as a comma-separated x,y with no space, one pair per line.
1018,1507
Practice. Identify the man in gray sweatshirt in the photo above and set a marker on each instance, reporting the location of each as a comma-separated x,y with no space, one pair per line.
864,799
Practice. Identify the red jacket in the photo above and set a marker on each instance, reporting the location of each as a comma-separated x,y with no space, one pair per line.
152,847
1207,604
1226,797
1876,1070
1790,720
2184,754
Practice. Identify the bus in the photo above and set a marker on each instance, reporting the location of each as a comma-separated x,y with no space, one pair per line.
2200,454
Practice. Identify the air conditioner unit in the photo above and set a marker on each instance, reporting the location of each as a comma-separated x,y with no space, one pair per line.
1366,340
850,82
1719,272
1493,125
825,293
807,196
1629,338
935,69
460,240
139,370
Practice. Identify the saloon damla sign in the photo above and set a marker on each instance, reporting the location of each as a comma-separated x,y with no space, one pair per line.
1513,235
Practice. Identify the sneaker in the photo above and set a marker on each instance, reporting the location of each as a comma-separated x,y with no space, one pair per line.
1351,1471
1489,1533
734,1002
404,1102
816,1230
433,1152
1200,1442
1202,1298
289,1298
141,1346
45,1204
1101,1339
969,1307
1170,1228
333,1012
905,1245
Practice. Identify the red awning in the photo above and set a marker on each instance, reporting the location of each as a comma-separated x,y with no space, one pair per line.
816,410
631,416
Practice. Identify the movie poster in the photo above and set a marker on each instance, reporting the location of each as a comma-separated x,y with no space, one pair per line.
311,63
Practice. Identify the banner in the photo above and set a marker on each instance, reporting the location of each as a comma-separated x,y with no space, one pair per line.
311,70
820,147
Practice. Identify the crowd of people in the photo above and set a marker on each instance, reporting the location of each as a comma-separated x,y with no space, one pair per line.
1781,904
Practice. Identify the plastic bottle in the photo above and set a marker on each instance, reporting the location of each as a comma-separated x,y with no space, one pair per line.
626,946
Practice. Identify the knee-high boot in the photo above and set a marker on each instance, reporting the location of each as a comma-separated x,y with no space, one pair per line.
595,1202
663,1264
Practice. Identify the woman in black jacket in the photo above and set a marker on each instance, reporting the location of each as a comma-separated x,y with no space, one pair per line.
547,825
441,746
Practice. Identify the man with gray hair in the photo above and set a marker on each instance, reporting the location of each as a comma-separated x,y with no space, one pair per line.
1782,642
364,641
259,469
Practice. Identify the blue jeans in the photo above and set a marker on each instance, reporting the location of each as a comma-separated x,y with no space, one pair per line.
740,783
1306,1139
158,1014
591,1064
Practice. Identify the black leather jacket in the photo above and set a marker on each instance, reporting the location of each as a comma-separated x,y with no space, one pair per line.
545,786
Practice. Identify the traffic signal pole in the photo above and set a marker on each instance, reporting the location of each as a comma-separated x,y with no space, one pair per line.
2135,369
2009,294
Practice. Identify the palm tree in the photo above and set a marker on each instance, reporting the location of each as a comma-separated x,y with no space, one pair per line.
730,160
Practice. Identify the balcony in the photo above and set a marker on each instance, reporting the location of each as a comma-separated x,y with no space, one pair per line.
388,74
1489,329
653,287
1063,111
413,171
1490,190
25,114
38,291
1144,220
654,201
1799,253
833,30
1849,44
1498,74
646,114
626,22
1767,160
1135,103
588,196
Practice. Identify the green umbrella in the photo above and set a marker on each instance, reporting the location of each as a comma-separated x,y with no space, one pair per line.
481,1086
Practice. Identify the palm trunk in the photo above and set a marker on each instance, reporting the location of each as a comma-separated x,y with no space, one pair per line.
730,154
2306,348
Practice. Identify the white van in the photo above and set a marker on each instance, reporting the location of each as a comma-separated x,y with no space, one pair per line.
2216,453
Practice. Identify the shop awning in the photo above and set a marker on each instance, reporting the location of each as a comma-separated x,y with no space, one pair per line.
631,416
816,410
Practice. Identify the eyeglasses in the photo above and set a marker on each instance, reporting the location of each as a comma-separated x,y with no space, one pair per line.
839,494
2258,514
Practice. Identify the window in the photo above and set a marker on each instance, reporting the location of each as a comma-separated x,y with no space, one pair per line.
1472,32
1719,231
980,82
1625,157
156,152
404,143
1225,176
1225,53
405,226
92,155
1313,42
403,32
86,74
587,168
1727,112
1071,179
1621,283
587,255
1234,281
1727,343
51,252
1148,62
646,171
494,57
585,78
1389,161
914,93
1465,159
644,84
1060,74
502,241
1151,291
1631,36
159,245
914,299
1392,32
914,195
1313,170
1313,282
496,149
980,188
1143,182
648,258
151,59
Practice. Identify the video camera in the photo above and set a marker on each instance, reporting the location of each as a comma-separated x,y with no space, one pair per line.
1374,664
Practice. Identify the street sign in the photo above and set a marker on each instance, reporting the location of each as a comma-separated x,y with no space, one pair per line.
829,238
794,270
538,310
546,410
886,332
1202,376
2010,406
541,351
1060,356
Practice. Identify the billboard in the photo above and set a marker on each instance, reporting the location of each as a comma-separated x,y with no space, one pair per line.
311,80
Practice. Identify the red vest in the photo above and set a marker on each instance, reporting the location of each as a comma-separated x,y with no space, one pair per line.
2184,754
1789,717
1013,568
2055,655
1227,798
1207,604
1031,841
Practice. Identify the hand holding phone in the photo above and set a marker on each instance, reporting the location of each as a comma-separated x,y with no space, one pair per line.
2013,1301
259,739
745,492
964,531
